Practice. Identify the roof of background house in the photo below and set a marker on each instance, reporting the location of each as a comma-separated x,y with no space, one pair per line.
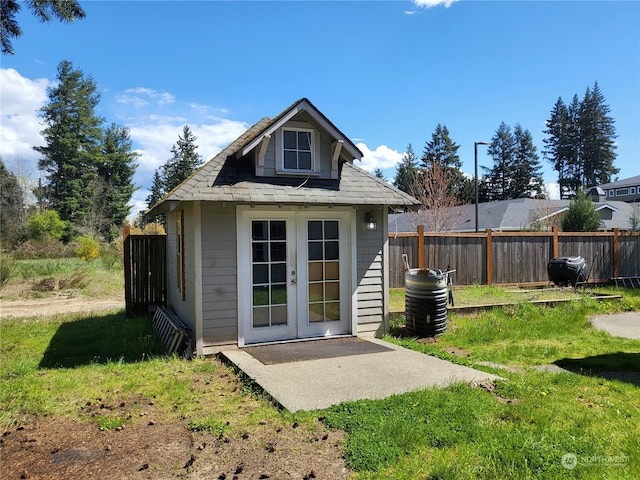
227,178
516,214
625,182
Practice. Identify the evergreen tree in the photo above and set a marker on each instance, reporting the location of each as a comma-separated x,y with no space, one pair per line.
581,216
406,178
527,171
114,181
560,145
580,142
597,139
157,190
63,10
500,176
443,151
11,207
379,174
184,160
72,134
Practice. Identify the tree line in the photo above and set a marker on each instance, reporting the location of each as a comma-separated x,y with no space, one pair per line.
579,144
88,168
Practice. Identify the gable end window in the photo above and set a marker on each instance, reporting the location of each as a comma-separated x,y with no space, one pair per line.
297,150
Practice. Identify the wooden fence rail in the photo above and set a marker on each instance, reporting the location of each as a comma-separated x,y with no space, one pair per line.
508,258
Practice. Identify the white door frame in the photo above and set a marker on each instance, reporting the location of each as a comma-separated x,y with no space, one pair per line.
296,218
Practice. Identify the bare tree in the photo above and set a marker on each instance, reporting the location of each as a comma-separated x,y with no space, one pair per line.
441,211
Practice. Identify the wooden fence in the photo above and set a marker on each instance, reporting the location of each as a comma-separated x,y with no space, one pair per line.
145,272
513,258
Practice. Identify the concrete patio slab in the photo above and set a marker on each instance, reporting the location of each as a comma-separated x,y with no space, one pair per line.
626,325
320,383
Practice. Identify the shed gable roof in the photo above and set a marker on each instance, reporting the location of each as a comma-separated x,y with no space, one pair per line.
230,176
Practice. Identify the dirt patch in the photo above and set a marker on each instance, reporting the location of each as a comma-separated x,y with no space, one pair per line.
57,305
63,448
154,444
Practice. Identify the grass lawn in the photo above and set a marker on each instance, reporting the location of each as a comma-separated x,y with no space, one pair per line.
532,425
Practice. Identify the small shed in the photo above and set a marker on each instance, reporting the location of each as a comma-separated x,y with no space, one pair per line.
280,237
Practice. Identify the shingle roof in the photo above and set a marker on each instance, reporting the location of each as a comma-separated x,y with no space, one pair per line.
226,178
515,214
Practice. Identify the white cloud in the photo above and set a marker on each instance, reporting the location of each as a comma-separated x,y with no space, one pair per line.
433,3
382,157
21,99
141,97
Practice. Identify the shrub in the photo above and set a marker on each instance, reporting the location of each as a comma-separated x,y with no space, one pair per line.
7,268
88,248
44,226
154,229
112,255
34,249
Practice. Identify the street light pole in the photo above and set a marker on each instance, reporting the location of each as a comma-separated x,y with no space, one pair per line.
475,157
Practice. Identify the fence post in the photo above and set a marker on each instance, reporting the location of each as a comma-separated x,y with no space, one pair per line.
126,248
554,245
616,253
420,246
489,257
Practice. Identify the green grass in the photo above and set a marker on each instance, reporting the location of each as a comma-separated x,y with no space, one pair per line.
526,423
108,370
480,295
91,279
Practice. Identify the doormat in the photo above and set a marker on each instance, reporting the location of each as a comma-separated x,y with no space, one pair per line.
313,350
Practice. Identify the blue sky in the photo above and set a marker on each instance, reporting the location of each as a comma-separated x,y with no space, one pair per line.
384,72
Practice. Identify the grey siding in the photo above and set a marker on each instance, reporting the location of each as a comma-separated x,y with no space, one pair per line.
185,309
371,281
219,275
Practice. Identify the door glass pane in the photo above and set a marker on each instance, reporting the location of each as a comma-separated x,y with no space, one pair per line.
323,270
332,270
278,230
332,311
279,294
315,230
315,271
279,273
261,295
269,273
278,251
316,292
260,252
331,251
261,316
315,250
331,230
259,230
260,273
316,312
332,291
279,315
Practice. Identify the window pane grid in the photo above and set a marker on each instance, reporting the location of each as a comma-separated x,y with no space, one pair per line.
268,253
297,150
323,271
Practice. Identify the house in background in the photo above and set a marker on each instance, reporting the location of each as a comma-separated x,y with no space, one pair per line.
518,214
280,237
625,190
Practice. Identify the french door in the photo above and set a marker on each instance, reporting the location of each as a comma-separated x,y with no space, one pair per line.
294,275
